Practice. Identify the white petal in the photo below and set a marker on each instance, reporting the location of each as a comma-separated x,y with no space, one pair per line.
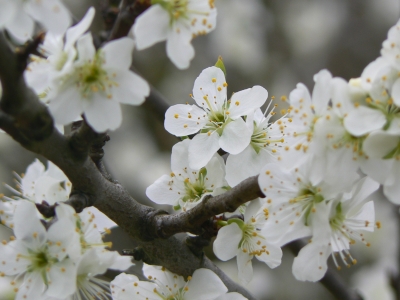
204,285
274,257
235,137
310,264
227,242
102,114
85,48
132,89
62,279
379,143
75,32
211,83
179,47
118,53
28,227
177,119
322,91
33,286
202,148
151,27
21,26
51,13
396,92
67,106
246,101
163,277
392,193
162,192
245,164
180,156
101,220
245,267
363,120
7,12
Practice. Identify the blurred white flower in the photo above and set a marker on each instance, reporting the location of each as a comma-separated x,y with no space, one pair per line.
18,16
177,22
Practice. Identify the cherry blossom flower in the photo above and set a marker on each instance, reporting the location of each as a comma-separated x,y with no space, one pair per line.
41,258
99,82
246,239
219,120
204,284
337,225
59,57
295,198
184,187
177,22
16,16
267,142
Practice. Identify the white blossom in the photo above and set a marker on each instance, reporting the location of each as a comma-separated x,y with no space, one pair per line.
177,22
245,240
219,120
204,284
99,82
18,17
43,259
185,187
337,225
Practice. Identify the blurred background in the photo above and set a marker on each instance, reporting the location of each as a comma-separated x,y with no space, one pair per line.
271,43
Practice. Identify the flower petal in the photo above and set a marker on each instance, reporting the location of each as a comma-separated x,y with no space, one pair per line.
311,262
182,119
102,114
235,137
51,13
151,27
118,53
363,120
247,101
131,89
205,285
202,148
179,47
227,242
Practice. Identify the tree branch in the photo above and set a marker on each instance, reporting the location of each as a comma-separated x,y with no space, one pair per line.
29,115
192,220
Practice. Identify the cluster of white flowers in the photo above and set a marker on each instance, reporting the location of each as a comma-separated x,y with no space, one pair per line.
75,78
347,128
318,164
204,284
46,264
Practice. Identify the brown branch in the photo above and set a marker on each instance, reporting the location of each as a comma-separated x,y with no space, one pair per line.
192,220
18,101
130,10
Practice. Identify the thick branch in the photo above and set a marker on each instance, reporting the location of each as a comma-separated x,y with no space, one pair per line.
30,117
192,220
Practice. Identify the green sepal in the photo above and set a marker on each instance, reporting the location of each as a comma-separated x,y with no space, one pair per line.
239,222
184,137
177,207
220,64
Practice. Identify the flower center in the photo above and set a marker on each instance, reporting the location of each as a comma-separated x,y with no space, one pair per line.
93,78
